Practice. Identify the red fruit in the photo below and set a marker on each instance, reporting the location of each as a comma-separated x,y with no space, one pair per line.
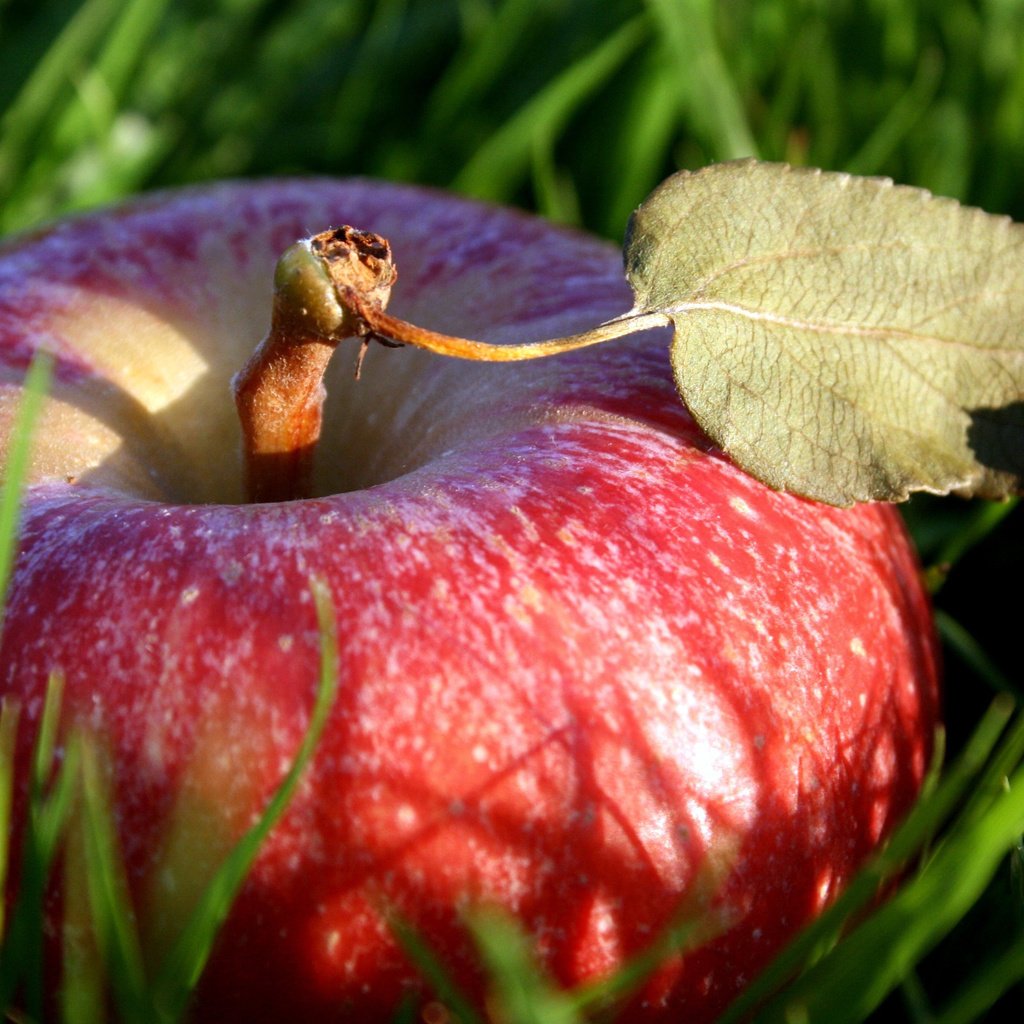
579,652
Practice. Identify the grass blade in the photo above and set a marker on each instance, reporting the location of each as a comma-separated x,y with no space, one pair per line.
497,168
21,965
112,918
642,144
896,936
987,985
984,517
53,813
433,971
92,153
923,822
184,963
708,91
46,741
972,653
83,974
695,922
877,149
478,63
37,382
34,107
521,992
10,711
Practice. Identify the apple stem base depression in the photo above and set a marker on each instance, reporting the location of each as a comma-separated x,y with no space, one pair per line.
334,286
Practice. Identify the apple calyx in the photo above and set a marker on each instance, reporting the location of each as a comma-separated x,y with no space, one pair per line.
333,286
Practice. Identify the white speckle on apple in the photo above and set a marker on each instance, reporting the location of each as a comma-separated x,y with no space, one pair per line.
743,508
406,817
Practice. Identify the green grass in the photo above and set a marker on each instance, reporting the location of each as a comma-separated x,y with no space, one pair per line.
574,108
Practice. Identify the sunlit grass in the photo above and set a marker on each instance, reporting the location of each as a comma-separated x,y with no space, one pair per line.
37,382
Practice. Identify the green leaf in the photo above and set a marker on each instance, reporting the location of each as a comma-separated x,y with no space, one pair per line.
841,338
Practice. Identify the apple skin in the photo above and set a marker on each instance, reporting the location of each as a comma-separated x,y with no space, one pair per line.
582,657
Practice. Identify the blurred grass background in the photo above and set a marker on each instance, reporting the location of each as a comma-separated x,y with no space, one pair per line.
574,108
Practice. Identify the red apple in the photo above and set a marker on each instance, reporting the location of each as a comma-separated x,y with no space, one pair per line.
580,653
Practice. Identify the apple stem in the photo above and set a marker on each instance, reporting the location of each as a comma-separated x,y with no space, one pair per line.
333,286
390,330
279,397
279,393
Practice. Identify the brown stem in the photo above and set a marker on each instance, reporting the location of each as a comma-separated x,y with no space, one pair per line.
335,286
279,393
279,396
393,329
